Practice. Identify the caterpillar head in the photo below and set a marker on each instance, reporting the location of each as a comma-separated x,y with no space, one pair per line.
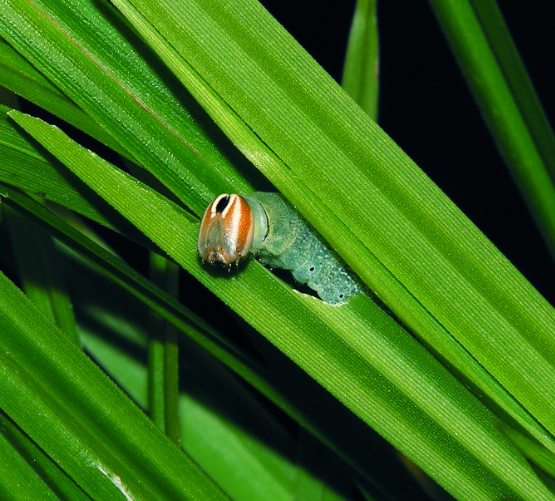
230,228
226,230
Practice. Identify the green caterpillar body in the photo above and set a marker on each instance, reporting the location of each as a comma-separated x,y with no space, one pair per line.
292,244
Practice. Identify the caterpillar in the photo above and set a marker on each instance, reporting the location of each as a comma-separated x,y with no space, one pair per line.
267,226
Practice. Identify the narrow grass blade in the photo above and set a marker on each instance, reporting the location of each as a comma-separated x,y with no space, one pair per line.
485,51
28,473
361,70
41,273
23,79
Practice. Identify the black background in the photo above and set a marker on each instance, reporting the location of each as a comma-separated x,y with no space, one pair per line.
426,107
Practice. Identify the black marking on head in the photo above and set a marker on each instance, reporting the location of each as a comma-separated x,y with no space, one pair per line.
222,204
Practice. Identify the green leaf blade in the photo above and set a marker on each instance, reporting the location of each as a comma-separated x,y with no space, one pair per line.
505,95
361,69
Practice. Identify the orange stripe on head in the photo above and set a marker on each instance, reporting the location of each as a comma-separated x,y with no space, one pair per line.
226,230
